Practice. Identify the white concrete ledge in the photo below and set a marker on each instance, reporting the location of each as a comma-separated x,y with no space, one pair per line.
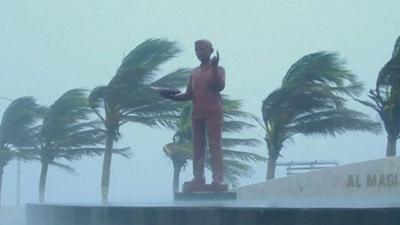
370,181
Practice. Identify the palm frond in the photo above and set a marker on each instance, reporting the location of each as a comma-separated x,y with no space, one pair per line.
234,170
142,99
67,130
72,154
396,49
243,156
332,122
176,79
87,137
232,142
312,101
17,122
97,96
71,108
63,166
124,152
158,121
320,67
26,154
6,155
140,65
235,126
231,104
386,95
369,104
390,73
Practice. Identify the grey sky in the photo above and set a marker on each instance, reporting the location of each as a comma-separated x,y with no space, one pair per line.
50,46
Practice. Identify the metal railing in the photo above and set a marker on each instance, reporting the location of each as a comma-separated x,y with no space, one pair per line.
296,167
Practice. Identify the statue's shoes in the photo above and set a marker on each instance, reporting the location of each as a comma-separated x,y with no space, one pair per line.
200,186
219,187
193,186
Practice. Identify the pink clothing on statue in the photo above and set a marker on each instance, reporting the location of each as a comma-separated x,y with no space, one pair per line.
207,113
203,89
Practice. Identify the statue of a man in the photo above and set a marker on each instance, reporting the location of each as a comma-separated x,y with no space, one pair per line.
204,87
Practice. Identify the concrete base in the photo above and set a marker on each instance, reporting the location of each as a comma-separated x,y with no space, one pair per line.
193,187
204,196
208,213
364,193
371,181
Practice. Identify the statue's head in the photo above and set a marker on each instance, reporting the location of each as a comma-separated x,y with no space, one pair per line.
203,49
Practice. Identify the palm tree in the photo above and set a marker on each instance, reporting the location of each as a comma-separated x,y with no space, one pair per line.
386,99
311,101
17,130
67,133
179,154
236,163
129,98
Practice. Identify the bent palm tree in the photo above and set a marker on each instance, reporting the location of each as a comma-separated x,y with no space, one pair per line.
386,99
17,130
311,101
67,133
236,163
129,98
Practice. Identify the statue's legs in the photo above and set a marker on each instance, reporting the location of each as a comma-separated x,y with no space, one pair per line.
212,125
214,129
199,144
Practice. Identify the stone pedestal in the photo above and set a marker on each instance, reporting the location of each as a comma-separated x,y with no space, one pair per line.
197,187
199,191
204,196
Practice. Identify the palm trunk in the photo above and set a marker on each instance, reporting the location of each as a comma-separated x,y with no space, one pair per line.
273,154
271,168
391,146
105,178
175,181
1,180
18,191
42,182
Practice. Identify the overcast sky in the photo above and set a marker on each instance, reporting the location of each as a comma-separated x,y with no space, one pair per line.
50,46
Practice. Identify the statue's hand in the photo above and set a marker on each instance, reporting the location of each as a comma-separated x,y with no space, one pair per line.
215,60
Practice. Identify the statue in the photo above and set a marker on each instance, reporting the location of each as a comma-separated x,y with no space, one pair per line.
204,86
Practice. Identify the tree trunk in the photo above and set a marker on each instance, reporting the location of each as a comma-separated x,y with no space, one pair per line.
105,177
391,146
175,181
1,180
18,186
271,168
42,182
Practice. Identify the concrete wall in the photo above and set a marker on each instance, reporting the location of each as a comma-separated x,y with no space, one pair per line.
376,180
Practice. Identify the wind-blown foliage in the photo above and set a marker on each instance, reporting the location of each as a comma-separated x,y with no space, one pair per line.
67,133
17,130
129,98
236,163
385,99
311,101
